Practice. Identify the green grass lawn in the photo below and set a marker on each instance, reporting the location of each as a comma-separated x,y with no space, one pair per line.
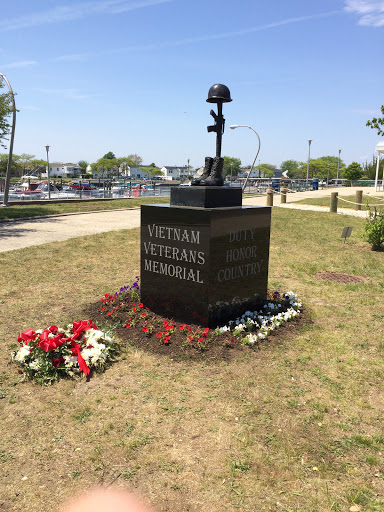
294,426
35,210
345,201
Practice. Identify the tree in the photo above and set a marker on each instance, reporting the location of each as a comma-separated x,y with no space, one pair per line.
377,122
353,172
323,168
109,155
291,166
38,166
231,165
83,164
152,171
25,159
369,169
16,169
6,109
136,159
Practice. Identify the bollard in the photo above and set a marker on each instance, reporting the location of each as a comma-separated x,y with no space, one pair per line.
359,199
283,196
269,197
334,198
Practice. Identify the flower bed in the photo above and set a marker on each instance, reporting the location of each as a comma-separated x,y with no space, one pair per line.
46,355
49,354
143,327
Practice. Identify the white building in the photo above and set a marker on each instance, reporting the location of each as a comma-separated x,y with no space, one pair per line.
61,170
172,172
135,172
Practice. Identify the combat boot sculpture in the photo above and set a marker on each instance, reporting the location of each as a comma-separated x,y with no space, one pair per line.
206,173
215,179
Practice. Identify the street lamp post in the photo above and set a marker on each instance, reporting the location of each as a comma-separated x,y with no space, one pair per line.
309,157
231,171
232,127
9,165
338,168
49,185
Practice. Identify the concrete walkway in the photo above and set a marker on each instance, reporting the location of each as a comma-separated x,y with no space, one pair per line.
17,234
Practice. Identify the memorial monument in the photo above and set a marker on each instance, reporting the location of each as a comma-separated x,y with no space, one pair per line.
204,256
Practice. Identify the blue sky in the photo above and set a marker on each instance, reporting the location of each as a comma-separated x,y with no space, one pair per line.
132,76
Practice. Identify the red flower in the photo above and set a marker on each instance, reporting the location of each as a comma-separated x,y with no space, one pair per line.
200,339
145,329
159,334
58,361
110,313
127,325
134,310
166,339
20,371
143,315
205,331
141,304
103,308
182,327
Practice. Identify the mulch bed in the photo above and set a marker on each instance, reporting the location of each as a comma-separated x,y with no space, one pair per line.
222,347
339,277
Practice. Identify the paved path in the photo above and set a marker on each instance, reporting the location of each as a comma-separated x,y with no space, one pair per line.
18,234
24,233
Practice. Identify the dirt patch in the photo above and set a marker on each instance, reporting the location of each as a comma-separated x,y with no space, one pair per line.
189,342
340,277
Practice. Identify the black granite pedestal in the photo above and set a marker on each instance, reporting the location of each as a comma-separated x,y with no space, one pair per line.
204,265
206,197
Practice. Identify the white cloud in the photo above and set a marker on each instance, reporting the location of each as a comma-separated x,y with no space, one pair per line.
75,11
370,12
198,39
19,64
76,57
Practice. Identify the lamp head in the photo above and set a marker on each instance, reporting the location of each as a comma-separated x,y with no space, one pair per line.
47,148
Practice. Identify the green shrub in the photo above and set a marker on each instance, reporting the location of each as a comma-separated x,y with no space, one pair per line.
374,229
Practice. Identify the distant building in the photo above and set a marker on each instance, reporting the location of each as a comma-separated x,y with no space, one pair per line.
172,172
135,172
61,170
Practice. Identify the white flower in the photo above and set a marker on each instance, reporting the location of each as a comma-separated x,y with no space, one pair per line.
21,355
35,365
